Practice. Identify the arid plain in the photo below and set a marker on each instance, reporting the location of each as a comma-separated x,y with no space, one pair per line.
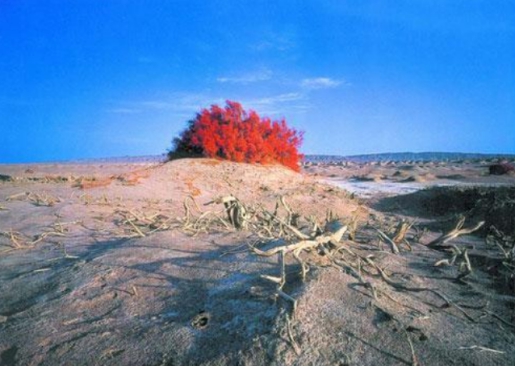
200,261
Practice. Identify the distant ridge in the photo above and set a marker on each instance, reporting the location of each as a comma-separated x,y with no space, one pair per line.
125,159
361,158
406,156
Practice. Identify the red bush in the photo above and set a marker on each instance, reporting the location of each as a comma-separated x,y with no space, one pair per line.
237,135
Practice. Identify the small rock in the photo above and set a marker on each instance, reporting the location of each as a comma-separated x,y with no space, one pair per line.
500,168
3,319
5,178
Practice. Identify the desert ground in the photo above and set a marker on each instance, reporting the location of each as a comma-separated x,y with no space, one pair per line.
200,261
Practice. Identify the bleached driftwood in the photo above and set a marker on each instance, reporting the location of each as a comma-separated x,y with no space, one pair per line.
295,249
236,211
392,244
440,243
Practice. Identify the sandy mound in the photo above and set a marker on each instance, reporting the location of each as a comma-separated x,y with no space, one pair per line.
104,274
369,178
425,177
133,270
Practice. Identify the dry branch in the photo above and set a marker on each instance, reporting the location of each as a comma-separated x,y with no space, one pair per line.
414,359
323,247
42,199
392,244
143,224
294,230
440,243
21,195
401,286
482,349
401,231
294,344
333,238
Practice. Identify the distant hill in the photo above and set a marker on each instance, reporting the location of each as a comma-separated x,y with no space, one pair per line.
407,156
126,159
362,158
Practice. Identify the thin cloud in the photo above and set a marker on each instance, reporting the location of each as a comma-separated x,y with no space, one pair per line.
124,111
187,104
320,83
283,41
280,104
258,76
177,103
157,104
285,97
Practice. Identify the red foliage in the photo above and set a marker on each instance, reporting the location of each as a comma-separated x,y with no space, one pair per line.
237,135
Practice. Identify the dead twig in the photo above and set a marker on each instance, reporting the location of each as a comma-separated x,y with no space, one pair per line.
464,267
417,289
333,238
17,239
440,243
43,199
500,319
391,242
138,231
401,232
414,358
294,344
18,196
482,349
294,230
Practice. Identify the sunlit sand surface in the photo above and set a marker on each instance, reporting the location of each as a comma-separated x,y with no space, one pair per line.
125,263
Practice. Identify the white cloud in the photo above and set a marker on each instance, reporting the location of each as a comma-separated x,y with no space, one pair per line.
320,83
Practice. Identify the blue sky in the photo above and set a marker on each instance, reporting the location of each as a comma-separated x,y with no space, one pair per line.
99,78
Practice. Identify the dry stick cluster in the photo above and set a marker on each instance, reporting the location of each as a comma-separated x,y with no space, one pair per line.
441,242
141,224
398,237
506,245
135,222
459,256
263,223
206,221
323,243
269,225
42,199
19,240
44,179
88,199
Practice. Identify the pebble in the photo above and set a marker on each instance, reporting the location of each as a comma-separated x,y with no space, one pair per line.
3,319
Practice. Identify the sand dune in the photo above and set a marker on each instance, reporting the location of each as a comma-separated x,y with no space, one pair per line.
123,263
